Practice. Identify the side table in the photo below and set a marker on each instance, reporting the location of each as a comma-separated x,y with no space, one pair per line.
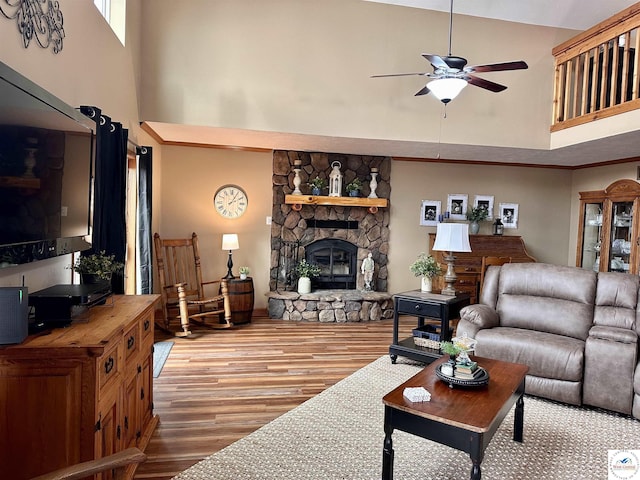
424,305
241,299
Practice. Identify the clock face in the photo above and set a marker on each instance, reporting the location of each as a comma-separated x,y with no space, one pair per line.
230,201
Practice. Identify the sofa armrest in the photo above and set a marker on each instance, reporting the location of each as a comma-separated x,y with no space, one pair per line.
476,317
613,334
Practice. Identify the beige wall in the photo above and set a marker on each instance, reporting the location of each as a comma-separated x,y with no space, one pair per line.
189,180
191,176
543,196
304,67
234,84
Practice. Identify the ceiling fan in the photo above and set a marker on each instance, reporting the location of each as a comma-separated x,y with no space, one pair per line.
451,74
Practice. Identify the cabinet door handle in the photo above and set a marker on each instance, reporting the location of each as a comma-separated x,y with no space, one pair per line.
131,342
108,365
147,324
417,307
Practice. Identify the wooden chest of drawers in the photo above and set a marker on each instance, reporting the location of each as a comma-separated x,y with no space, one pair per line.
469,264
80,392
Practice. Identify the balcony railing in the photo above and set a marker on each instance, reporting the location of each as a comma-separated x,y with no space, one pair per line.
596,72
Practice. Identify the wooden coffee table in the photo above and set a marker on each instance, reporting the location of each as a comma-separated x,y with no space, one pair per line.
462,418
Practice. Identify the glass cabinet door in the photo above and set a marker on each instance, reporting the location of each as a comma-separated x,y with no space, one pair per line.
592,236
621,230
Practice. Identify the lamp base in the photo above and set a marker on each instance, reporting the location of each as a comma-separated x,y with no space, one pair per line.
450,277
229,275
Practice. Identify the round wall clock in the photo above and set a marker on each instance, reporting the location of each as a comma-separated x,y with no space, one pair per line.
230,201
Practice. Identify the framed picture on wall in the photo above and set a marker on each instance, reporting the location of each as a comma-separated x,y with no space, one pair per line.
430,212
486,203
509,215
457,205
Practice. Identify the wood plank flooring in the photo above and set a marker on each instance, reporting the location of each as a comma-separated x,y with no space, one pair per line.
218,386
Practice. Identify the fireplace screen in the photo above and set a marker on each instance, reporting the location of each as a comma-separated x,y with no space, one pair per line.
337,260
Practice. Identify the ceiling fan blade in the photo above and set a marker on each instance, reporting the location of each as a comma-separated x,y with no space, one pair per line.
498,67
424,91
399,75
436,60
486,84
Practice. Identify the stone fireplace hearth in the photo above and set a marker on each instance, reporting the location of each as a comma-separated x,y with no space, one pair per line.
345,235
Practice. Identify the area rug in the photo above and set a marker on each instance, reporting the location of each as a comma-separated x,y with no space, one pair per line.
339,434
161,352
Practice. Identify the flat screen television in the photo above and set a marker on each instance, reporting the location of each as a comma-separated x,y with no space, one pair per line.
46,170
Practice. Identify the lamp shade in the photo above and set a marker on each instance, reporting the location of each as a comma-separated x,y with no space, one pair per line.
446,89
452,237
230,241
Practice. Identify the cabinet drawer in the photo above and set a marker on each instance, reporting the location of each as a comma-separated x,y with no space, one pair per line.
418,309
108,365
146,328
131,342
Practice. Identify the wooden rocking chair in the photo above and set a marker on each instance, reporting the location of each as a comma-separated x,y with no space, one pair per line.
182,288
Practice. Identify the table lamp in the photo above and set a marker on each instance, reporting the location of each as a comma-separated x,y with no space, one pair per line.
451,237
230,242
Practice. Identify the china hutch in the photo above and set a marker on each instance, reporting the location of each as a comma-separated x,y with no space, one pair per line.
608,231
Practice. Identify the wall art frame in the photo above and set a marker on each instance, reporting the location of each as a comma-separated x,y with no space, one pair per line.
430,212
457,204
509,215
486,202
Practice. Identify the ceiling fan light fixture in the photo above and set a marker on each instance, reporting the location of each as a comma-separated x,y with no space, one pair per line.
446,89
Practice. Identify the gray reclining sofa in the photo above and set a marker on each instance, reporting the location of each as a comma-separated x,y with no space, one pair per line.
576,329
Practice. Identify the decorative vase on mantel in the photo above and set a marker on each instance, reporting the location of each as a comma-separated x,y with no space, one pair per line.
426,284
304,285
474,227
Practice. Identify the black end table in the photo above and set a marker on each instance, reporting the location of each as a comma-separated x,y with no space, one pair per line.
424,305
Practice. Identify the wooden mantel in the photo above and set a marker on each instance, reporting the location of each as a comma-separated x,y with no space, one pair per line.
372,203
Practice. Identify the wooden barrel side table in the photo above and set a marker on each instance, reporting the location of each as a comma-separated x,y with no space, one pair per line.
241,298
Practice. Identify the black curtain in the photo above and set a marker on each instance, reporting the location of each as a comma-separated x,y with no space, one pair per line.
145,155
110,187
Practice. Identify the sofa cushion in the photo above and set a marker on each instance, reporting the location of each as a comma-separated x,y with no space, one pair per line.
547,298
547,355
616,300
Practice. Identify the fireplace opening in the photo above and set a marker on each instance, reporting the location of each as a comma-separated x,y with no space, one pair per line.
337,260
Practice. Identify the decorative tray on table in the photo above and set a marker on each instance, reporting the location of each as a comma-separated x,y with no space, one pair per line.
480,378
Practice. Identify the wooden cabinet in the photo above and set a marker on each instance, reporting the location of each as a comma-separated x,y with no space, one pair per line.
608,233
469,264
81,392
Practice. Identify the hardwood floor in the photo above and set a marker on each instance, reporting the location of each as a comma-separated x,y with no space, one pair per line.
218,386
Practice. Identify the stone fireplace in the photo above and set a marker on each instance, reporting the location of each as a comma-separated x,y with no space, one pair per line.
336,237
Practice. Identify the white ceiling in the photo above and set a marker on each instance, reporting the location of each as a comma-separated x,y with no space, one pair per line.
573,14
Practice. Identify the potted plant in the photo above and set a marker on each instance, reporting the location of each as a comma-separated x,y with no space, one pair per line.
317,184
475,215
353,188
305,271
453,350
426,267
97,267
244,273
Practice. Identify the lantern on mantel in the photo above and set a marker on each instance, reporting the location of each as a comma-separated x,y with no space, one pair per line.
335,180
498,227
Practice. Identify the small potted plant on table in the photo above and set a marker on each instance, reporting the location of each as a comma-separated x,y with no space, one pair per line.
97,267
244,273
426,267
